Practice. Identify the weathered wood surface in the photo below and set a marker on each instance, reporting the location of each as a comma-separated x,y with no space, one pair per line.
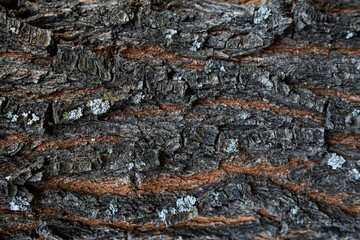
179,119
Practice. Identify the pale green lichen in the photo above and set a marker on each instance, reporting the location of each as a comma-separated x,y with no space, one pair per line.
196,45
294,210
137,98
185,204
349,35
33,119
172,210
177,78
19,204
216,195
226,17
335,161
170,33
110,150
162,214
131,166
233,146
113,206
355,173
74,114
356,112
262,14
25,114
12,117
98,106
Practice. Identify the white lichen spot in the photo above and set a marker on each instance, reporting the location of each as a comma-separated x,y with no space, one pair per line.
222,68
14,30
294,210
33,119
262,14
245,115
216,195
113,207
9,115
19,204
355,173
110,150
209,64
233,146
349,35
74,114
131,166
162,214
25,114
172,210
226,17
185,204
14,118
170,33
178,78
196,45
335,161
356,112
137,98
98,106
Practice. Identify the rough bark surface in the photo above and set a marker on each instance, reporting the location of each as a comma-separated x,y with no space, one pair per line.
179,119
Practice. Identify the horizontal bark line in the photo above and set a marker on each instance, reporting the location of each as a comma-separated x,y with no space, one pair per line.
54,95
194,63
345,139
87,1
298,51
197,222
261,105
328,92
38,213
333,8
238,2
335,200
48,144
170,183
176,183
299,233
13,138
151,227
157,52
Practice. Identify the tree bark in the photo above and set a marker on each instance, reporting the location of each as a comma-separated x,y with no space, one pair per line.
179,119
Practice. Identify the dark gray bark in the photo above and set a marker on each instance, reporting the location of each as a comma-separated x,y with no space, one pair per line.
179,119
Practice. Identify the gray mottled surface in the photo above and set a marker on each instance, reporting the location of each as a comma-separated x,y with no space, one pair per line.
179,119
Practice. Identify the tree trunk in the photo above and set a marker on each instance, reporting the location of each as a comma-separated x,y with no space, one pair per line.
179,119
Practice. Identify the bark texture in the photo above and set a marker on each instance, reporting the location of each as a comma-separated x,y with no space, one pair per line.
179,119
